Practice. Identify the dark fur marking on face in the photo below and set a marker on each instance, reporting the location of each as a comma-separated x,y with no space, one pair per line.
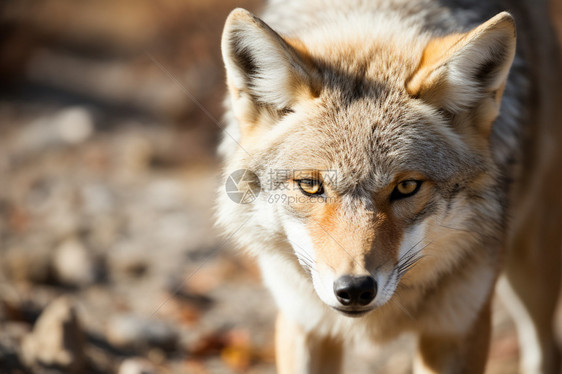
451,194
428,209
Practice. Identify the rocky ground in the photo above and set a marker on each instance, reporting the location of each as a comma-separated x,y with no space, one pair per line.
109,261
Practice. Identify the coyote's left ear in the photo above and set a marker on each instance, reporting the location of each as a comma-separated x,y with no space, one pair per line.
461,72
260,63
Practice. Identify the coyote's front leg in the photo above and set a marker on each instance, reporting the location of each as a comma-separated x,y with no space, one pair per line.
461,354
299,352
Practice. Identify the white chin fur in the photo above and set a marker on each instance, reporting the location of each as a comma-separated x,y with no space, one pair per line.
299,239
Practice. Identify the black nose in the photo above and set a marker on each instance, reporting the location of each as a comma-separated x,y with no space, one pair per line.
353,290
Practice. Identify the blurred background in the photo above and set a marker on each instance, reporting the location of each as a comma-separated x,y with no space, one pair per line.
110,115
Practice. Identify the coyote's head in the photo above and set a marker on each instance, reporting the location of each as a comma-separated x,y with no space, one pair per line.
371,149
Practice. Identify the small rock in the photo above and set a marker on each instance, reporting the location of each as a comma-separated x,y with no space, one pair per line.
136,366
130,331
57,339
73,264
74,125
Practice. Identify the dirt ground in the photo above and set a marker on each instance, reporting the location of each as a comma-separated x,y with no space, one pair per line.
110,112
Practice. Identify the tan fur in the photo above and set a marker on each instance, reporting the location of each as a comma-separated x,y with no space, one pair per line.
457,354
435,54
369,242
319,354
377,93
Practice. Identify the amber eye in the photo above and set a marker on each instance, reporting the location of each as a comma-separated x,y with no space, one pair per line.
310,186
405,189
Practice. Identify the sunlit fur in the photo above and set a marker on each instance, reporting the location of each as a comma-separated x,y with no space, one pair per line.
361,96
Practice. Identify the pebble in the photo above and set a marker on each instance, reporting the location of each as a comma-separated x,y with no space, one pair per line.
56,339
74,125
136,365
73,265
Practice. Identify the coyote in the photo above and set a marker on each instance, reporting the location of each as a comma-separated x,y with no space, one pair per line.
405,158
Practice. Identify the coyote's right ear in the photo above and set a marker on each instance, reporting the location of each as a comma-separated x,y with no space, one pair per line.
463,71
261,64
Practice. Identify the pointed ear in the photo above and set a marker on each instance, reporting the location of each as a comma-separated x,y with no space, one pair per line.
261,64
462,72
